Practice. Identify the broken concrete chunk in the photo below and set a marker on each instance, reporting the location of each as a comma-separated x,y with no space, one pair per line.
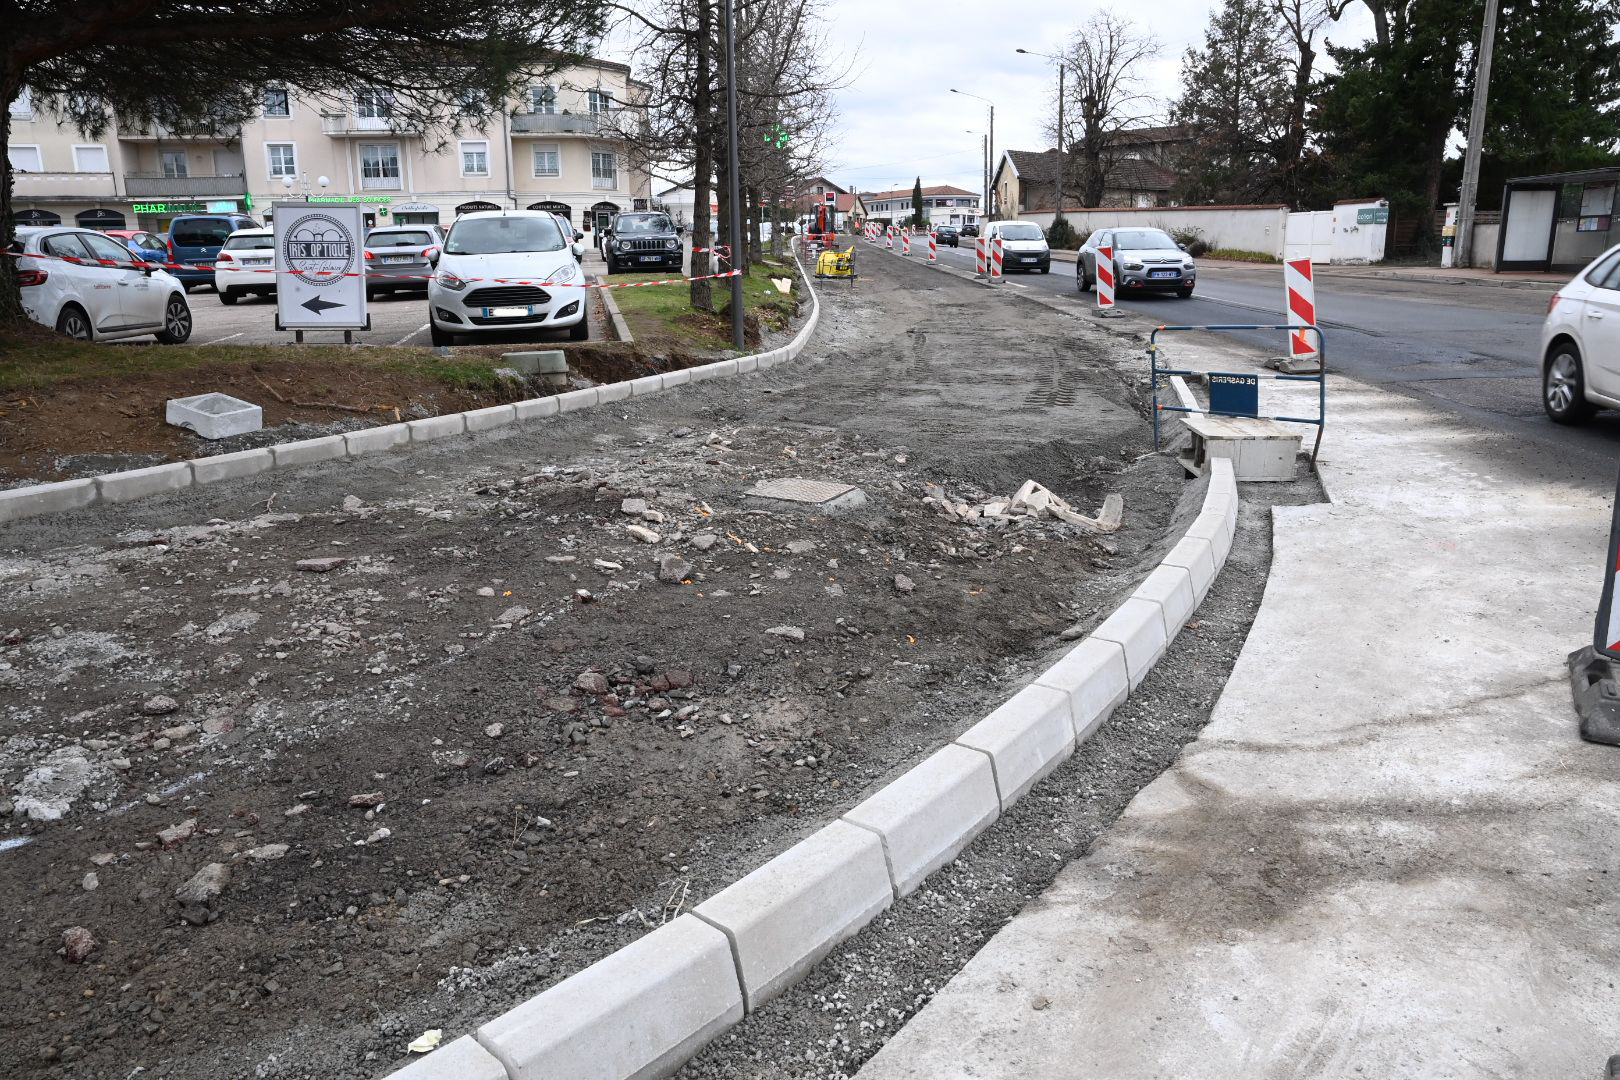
323,565
642,533
672,569
792,633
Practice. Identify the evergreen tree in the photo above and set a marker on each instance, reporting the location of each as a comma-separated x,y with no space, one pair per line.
917,218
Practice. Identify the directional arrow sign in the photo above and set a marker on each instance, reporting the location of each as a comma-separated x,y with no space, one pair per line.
317,305
320,267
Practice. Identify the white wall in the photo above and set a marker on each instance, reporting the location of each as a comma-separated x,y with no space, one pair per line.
1246,228
1355,244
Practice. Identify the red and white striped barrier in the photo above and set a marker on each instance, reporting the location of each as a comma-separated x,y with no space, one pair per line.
905,242
979,259
888,238
1300,309
997,249
933,247
1105,279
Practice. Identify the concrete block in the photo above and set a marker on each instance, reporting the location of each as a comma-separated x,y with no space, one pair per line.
214,416
537,362
377,439
647,384
1223,477
230,466
1211,526
36,499
578,399
1137,626
309,451
616,391
1197,558
1094,675
926,817
1171,588
535,408
463,1059
677,378
771,359
720,369
637,1013
136,483
745,364
792,911
1026,738
488,419
436,427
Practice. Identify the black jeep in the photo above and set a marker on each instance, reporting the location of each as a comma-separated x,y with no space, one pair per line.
642,241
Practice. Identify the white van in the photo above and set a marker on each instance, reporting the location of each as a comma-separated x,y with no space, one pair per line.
1023,246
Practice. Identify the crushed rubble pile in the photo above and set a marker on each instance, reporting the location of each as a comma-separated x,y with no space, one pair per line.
1031,502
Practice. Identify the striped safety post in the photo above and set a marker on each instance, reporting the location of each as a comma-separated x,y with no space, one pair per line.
1105,279
933,246
888,238
1300,309
905,242
998,248
978,256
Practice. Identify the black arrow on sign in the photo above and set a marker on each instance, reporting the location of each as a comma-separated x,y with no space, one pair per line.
316,305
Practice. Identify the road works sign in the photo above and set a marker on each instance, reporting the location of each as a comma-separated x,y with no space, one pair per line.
320,267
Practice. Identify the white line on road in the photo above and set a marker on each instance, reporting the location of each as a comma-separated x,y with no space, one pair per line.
227,337
1015,285
412,334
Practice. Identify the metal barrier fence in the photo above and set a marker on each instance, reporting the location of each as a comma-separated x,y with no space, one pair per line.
1244,386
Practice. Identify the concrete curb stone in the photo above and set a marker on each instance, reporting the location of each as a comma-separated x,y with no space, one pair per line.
436,427
535,408
137,483
1197,557
1171,588
1137,626
208,470
491,418
26,502
617,391
677,378
309,451
647,384
462,1059
928,815
1095,677
1212,528
377,439
789,913
638,1012
1026,738
745,364
575,400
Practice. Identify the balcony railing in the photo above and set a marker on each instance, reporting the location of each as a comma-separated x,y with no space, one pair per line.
149,185
158,133
530,123
379,183
350,124
63,185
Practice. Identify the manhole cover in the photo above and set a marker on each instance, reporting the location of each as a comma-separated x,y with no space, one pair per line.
824,494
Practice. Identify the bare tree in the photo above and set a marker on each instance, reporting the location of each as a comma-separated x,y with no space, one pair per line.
1105,58
1302,20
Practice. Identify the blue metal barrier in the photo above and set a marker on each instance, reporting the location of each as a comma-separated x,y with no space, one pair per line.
1235,391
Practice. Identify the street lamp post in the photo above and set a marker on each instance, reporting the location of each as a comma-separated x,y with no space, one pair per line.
733,181
990,149
1063,157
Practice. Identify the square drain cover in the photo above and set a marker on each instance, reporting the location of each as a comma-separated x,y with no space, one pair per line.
826,494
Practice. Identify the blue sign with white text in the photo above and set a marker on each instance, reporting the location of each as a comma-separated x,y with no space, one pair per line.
1234,395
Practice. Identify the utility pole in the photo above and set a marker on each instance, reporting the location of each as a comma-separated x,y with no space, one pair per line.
1462,254
733,180
1062,156
990,149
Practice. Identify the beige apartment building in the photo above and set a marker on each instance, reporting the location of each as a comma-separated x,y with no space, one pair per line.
555,149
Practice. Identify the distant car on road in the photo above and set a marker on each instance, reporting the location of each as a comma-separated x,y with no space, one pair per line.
246,265
401,257
947,235
1145,260
1580,343
970,229
194,241
474,288
642,241
88,286
1023,246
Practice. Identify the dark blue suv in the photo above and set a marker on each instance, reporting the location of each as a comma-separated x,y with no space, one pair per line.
194,243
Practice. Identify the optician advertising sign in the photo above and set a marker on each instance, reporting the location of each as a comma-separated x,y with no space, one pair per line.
320,267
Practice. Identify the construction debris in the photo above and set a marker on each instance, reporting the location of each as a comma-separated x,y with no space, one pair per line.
1030,502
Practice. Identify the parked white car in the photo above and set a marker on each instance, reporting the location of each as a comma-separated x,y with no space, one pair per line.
246,265
1144,259
1580,343
488,277
103,295
1023,246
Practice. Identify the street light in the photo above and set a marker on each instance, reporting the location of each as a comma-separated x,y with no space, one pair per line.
990,146
1063,154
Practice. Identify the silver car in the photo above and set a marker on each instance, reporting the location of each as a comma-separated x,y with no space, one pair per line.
401,257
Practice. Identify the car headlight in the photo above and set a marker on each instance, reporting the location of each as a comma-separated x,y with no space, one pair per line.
1133,266
1190,264
450,281
623,245
565,273
672,245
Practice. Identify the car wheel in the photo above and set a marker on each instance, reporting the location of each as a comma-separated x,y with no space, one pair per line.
227,296
1046,269
1185,293
613,267
1563,387
580,331
440,337
176,321
75,324
371,294
1083,280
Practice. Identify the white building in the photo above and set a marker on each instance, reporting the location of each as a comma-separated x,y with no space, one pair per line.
942,205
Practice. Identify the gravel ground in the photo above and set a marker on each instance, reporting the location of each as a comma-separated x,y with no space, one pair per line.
275,820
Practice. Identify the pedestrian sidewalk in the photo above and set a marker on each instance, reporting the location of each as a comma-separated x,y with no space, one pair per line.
1388,854
1434,275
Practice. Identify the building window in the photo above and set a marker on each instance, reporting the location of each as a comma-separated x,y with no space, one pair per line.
600,101
24,158
174,163
379,166
543,99
547,161
475,159
90,159
276,102
604,171
23,107
374,104
281,160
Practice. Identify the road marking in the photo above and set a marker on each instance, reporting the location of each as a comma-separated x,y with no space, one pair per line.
412,334
1015,285
227,337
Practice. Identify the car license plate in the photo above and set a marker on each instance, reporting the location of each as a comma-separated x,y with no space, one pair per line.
1163,273
651,258
257,262
507,312
397,258
1029,258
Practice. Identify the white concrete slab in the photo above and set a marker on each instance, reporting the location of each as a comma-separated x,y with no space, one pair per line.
535,408
436,427
1171,588
1027,737
377,439
139,483
489,419
928,815
309,451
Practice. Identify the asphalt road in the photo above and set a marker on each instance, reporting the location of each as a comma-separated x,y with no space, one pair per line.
1469,349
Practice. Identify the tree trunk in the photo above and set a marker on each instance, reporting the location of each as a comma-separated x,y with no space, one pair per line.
703,158
11,310
756,248
1294,141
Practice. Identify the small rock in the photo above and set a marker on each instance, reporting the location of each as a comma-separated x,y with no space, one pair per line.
494,730
102,858
704,541
379,835
122,764
652,517
680,433
583,596
352,502
161,705
218,725
644,665
485,590
512,616
592,682
801,547
77,944
559,703
792,633
200,891
642,533
175,834
561,559
91,882
672,569
903,584
607,566
633,507
323,565
678,679
370,798
179,733
295,811
268,852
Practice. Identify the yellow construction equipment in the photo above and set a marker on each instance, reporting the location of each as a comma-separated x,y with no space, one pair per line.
836,264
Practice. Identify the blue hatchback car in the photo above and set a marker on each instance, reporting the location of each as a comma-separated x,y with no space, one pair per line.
195,240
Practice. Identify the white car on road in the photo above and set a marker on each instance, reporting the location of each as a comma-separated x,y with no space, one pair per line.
506,270
89,286
1023,246
246,264
1580,343
1143,259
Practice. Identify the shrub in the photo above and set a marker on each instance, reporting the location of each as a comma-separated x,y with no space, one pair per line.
1062,234
1192,239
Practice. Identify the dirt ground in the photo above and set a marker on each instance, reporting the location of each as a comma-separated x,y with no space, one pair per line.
285,818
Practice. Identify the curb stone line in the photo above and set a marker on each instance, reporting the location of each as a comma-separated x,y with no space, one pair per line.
752,913
36,500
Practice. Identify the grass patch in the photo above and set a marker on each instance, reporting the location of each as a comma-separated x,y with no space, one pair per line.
1239,255
666,312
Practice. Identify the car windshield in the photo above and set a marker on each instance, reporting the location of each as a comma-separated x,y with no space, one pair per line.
1142,240
252,243
503,235
1021,230
398,239
644,223
201,232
